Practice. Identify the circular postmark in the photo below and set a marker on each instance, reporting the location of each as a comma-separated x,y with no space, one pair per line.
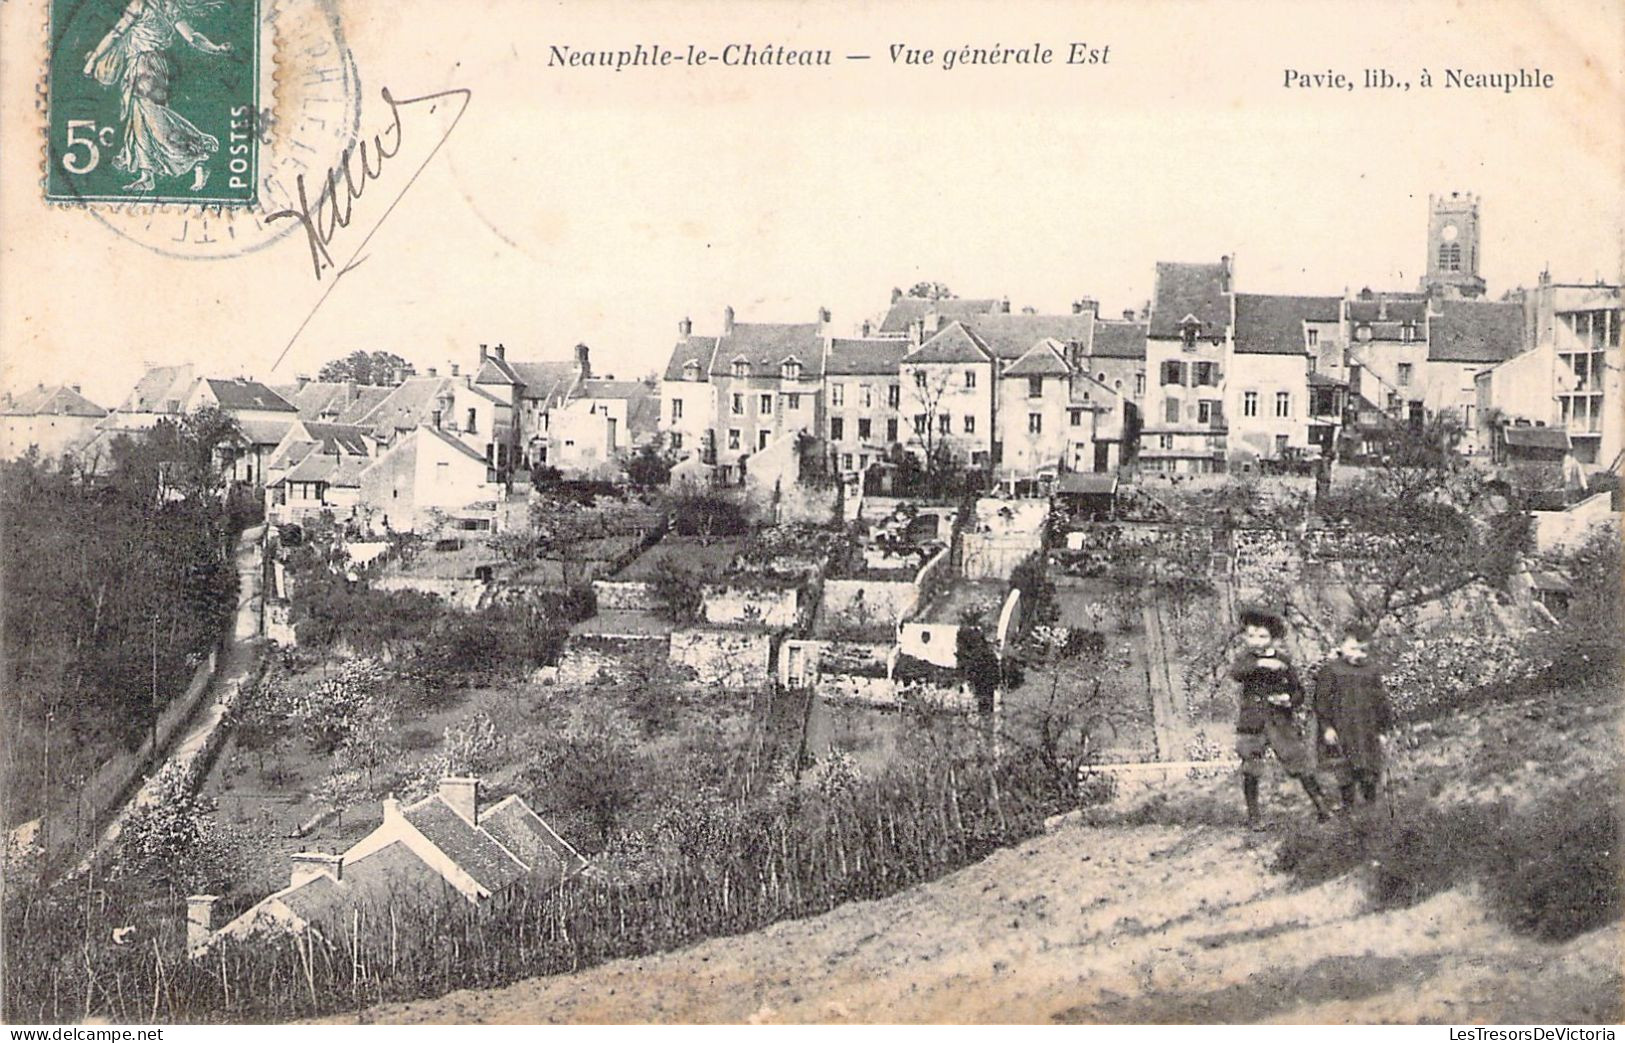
305,114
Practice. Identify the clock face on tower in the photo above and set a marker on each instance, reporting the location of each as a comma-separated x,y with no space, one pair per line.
1449,233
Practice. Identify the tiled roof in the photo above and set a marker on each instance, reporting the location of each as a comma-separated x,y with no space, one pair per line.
406,406
247,394
435,432
474,850
56,400
1267,324
264,432
1118,340
546,381
342,471
349,438
289,454
1389,307
366,400
321,399
1082,483
611,389
1530,437
391,874
691,349
496,371
157,387
874,356
1012,336
1392,330
904,310
531,840
1318,379
1185,289
765,345
1475,331
953,343
1043,359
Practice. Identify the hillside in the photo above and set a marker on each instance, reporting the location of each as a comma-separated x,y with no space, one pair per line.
1165,911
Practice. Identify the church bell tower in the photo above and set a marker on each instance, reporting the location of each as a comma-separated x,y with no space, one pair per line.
1453,243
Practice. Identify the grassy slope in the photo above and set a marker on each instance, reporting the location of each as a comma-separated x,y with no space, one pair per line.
1167,912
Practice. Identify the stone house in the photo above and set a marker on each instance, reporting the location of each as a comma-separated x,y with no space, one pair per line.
1188,344
52,419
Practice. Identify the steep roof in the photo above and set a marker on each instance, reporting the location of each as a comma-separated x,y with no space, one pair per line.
1475,331
461,447
611,389
53,400
1187,289
263,432
1530,437
1044,359
1388,307
341,471
953,343
549,380
532,841
242,393
494,370
767,344
365,401
157,387
323,399
1118,340
691,349
474,850
1267,324
874,356
904,310
407,405
1012,336
336,438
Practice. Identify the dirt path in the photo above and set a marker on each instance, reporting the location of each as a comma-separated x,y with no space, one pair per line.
236,662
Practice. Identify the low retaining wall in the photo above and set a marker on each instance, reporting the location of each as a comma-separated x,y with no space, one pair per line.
725,658
634,595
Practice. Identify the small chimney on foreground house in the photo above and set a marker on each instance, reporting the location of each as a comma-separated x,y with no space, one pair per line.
306,865
455,370
199,921
584,361
433,372
685,327
1086,305
75,387
392,809
916,332
463,794
435,419
1128,314
302,379
865,328
727,320
823,316
485,352
896,295
1224,279
501,351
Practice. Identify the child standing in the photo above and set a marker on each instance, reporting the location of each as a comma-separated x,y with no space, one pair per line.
1270,696
1354,714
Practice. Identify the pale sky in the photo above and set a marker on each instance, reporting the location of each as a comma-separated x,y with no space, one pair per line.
586,205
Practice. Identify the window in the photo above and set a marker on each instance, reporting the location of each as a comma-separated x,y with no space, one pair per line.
1450,257
919,378
1404,374
761,439
1204,412
864,428
741,368
866,396
1035,387
1314,338
1205,374
919,424
1139,385
837,428
677,440
1076,416
792,400
846,461
1035,423
766,405
893,396
1249,403
970,424
470,426
676,409
1280,444
733,438
738,404
1407,332
970,378
691,370
790,370
1165,441
1171,410
1283,404
1173,372
945,423
891,430
837,394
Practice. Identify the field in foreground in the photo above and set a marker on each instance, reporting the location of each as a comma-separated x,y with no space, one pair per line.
1170,913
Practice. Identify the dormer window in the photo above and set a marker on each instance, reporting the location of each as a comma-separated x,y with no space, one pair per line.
790,369
1188,329
691,369
741,368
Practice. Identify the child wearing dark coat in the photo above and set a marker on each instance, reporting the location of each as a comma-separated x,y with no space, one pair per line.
1353,714
1270,696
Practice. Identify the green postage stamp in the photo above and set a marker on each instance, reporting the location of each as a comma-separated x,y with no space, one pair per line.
153,101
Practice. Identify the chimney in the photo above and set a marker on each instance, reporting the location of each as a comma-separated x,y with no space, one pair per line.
435,419
1224,278
455,370
1382,310
75,387
1004,306
1128,314
896,295
307,865
463,794
433,372
302,379
485,352
349,391
685,327
916,332
199,921
823,316
501,351
583,362
1087,305
392,809
865,328
727,320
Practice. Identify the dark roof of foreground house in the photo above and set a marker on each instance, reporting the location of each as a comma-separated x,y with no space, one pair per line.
765,346
692,354
50,400
1270,324
1186,289
953,343
1530,437
904,310
1475,331
475,851
1118,340
1044,359
873,356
